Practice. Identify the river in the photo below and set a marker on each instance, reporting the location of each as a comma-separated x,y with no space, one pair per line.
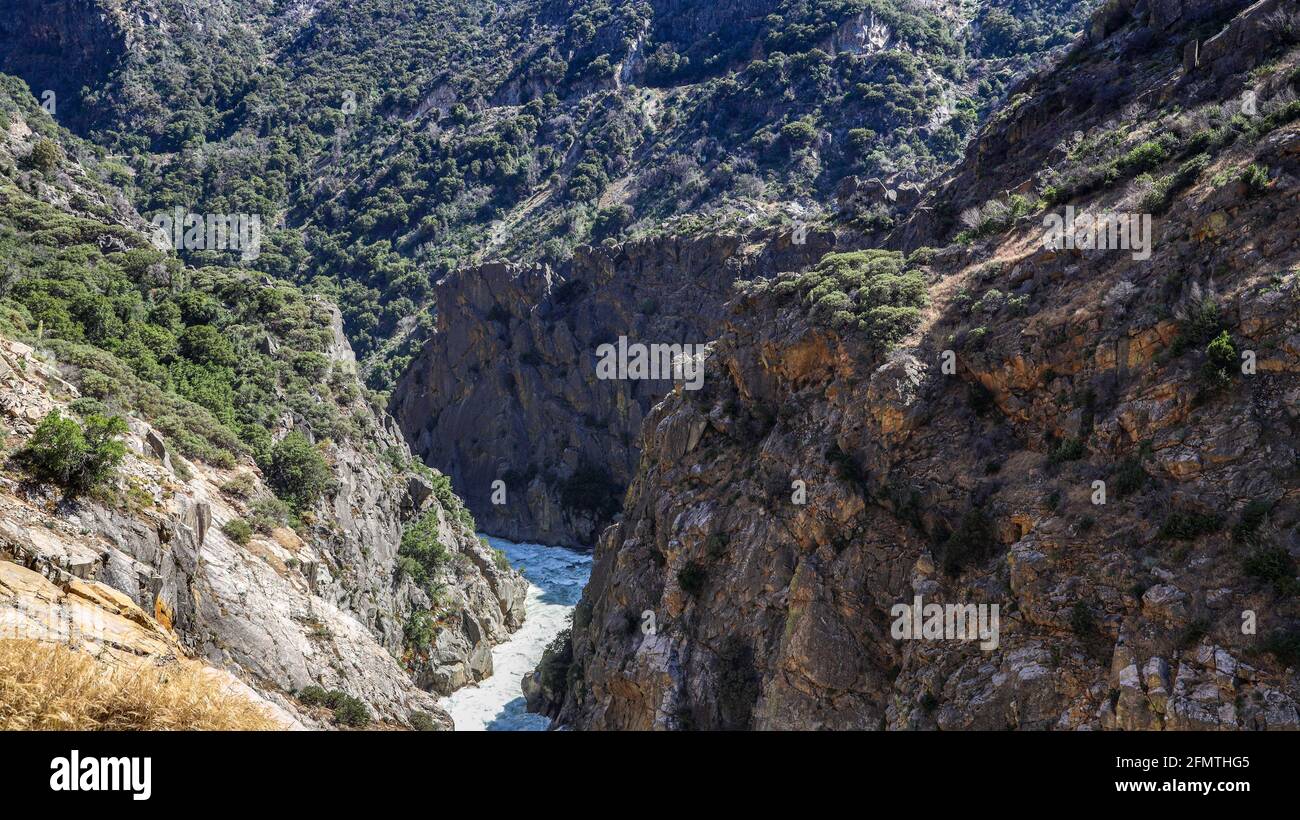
556,577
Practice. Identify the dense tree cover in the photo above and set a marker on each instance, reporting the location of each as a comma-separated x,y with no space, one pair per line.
213,356
388,142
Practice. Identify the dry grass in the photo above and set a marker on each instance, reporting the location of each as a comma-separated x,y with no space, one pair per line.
50,686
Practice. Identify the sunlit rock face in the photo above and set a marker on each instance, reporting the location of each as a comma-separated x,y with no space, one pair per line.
1104,447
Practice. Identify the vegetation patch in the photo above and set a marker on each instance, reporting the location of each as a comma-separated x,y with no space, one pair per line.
348,710
422,554
870,292
1188,525
970,543
51,687
78,459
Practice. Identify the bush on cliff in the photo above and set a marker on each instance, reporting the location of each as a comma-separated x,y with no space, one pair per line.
297,472
421,553
238,530
63,453
972,541
556,660
348,711
1273,564
869,292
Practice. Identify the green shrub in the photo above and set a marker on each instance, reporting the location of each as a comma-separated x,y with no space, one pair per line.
63,453
1274,565
421,554
267,512
351,712
553,669
1252,517
313,696
348,711
1255,178
1220,364
993,217
297,472
868,292
422,722
241,486
1192,634
799,133
1161,194
86,406
1285,646
1082,622
419,632
1145,156
1199,324
1071,449
238,530
46,155
1185,525
442,490
1129,477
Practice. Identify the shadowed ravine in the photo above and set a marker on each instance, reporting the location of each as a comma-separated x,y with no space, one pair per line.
556,577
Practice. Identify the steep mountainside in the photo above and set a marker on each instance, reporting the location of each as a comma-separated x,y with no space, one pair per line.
507,389
1110,456
390,142
268,516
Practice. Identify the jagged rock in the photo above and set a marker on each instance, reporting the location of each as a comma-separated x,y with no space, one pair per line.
495,394
960,486
282,612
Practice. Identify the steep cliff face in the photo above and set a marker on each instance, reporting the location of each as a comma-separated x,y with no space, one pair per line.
162,545
506,388
1110,454
284,612
193,535
62,47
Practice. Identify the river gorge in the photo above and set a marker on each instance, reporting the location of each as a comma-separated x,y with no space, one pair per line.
556,577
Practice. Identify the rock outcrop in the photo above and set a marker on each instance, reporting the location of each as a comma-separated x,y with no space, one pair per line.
282,611
101,621
506,388
323,603
1103,447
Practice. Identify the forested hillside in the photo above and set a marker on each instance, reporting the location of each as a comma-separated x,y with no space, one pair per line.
389,143
186,445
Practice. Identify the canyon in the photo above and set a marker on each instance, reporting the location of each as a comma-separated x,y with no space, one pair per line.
907,394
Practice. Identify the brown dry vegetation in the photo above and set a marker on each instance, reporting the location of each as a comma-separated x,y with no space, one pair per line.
51,686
